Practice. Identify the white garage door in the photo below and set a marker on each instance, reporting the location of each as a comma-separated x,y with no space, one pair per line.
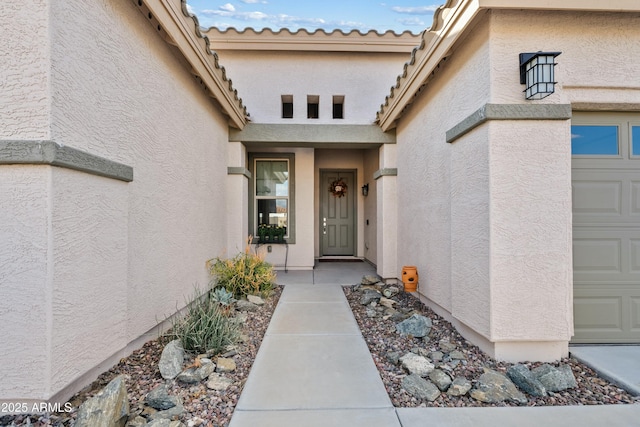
606,227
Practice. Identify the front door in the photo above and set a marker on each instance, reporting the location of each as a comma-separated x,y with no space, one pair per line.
337,212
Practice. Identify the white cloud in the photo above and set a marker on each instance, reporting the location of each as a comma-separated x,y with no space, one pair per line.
253,1
411,22
228,7
419,10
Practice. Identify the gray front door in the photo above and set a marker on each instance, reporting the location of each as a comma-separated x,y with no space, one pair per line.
337,214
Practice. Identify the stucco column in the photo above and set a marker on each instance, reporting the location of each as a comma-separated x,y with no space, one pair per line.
387,206
237,198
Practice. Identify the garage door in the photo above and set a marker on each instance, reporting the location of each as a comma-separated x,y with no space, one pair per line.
606,227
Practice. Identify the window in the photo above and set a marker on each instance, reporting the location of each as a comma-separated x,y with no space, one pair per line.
272,192
287,106
594,140
313,106
338,106
635,140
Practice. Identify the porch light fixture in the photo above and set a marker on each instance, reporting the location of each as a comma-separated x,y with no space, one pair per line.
536,72
365,190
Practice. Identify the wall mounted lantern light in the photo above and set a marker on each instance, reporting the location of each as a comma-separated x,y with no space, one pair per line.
365,190
536,72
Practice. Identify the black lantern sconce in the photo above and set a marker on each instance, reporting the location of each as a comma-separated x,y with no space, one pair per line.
536,72
365,190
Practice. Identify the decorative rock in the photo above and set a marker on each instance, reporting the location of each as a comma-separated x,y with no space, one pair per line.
243,305
197,374
391,291
137,422
159,423
369,296
441,379
417,326
457,355
494,387
525,380
420,351
168,414
446,346
393,357
420,388
369,280
459,387
225,365
159,398
218,382
386,302
436,356
417,365
109,408
371,313
171,360
555,379
253,299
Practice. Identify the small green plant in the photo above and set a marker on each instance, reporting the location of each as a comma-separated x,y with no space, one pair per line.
245,274
205,327
223,297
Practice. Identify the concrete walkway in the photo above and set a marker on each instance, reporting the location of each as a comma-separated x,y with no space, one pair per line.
314,369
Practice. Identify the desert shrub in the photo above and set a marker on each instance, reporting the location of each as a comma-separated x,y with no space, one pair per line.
205,327
245,274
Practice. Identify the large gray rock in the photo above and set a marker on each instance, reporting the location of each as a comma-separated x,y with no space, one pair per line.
446,346
159,398
244,305
459,387
494,387
164,423
218,382
171,360
420,388
253,299
441,379
197,374
555,379
369,296
168,414
417,365
369,280
390,291
526,381
417,326
108,408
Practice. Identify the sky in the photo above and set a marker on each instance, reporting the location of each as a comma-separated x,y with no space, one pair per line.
345,15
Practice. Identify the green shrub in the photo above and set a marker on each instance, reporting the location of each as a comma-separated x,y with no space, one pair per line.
205,327
245,274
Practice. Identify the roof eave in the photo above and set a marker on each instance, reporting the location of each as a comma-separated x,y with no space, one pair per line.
183,31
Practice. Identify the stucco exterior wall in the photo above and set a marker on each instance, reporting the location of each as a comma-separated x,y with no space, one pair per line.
371,161
435,178
103,261
24,98
362,78
494,212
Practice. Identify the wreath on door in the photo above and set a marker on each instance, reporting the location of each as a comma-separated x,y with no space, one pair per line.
338,188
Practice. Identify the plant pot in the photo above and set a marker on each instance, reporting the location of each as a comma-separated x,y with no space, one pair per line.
410,278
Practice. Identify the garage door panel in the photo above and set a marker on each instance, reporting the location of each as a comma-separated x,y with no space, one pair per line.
635,314
598,313
635,199
597,255
597,198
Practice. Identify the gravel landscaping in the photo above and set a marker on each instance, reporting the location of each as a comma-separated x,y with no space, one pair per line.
386,344
202,406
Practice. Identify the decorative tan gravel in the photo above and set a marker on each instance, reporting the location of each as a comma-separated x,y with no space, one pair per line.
382,338
203,407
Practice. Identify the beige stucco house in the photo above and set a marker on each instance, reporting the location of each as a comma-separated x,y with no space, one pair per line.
135,145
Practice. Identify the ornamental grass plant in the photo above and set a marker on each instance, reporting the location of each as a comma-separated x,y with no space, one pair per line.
245,274
205,327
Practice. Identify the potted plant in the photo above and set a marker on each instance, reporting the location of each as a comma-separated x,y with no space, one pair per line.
262,232
279,233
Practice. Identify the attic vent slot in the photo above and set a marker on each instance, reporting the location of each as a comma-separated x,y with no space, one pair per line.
313,104
287,106
338,106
